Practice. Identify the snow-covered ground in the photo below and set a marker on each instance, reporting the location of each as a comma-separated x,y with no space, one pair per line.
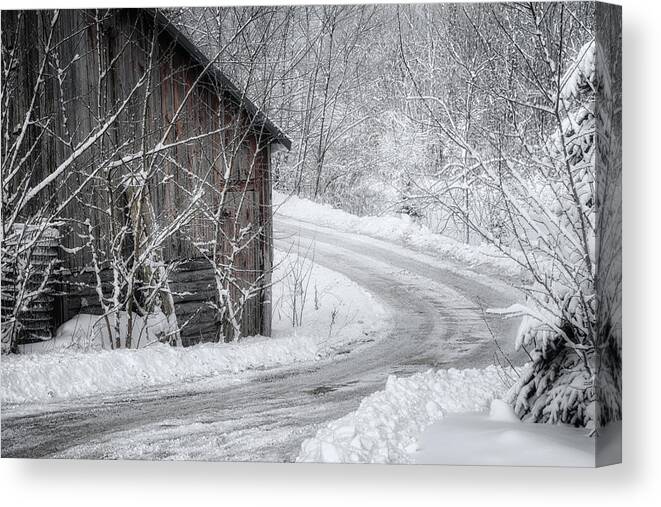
332,311
446,417
335,315
499,438
397,228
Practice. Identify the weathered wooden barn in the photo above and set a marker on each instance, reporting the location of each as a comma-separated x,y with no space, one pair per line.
127,88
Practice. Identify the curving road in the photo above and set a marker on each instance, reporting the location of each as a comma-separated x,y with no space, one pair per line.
437,322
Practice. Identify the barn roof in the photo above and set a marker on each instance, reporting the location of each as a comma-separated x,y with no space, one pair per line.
260,120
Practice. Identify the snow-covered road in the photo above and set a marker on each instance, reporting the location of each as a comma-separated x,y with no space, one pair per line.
265,415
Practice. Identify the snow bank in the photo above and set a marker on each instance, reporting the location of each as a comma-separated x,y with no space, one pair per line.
388,424
70,373
399,228
446,417
75,365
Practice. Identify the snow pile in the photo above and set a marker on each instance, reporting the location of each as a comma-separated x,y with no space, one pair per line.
446,417
71,373
398,228
75,364
388,424
92,332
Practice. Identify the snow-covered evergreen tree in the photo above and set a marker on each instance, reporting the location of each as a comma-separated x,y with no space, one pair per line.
559,321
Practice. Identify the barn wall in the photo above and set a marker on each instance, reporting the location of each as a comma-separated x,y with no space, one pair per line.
93,40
